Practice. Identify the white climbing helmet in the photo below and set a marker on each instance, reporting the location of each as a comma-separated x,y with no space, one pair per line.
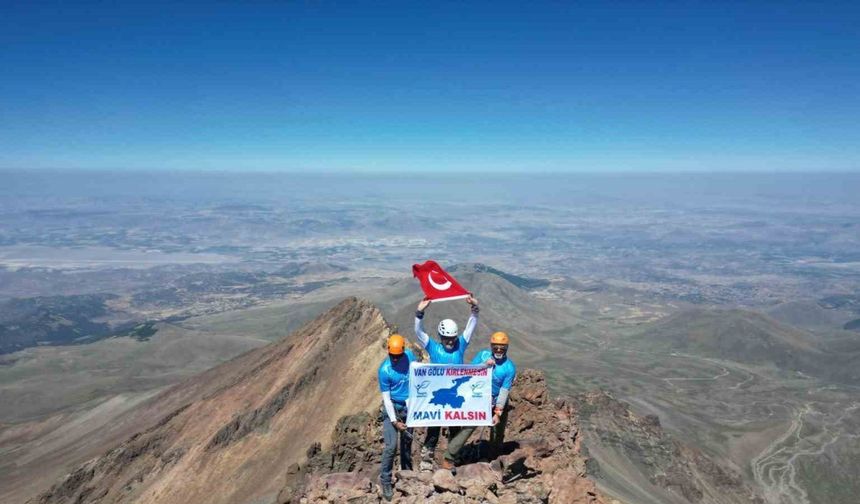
448,328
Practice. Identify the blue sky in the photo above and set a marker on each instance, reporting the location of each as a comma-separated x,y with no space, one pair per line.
431,86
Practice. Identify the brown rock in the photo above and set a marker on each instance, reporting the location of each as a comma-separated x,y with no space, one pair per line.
447,498
526,460
475,490
347,481
534,489
532,387
286,495
478,474
443,481
569,488
420,476
413,486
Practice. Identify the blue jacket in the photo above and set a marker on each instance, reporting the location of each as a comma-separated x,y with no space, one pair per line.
395,378
437,351
504,371
440,355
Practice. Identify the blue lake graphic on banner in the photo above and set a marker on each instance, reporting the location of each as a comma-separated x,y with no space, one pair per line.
449,396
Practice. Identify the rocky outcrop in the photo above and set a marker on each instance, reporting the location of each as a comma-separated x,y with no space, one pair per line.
678,473
244,424
541,461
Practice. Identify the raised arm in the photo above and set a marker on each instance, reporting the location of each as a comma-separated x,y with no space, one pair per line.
473,319
422,336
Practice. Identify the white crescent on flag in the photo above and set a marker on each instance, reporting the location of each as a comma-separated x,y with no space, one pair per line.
440,286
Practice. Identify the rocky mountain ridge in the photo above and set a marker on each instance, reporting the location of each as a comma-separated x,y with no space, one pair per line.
297,421
227,434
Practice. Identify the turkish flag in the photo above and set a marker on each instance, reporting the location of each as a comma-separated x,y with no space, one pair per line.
436,283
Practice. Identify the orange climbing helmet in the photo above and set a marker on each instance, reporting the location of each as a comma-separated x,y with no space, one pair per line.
499,338
396,344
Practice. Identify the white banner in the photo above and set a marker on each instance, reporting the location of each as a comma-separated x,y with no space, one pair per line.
449,395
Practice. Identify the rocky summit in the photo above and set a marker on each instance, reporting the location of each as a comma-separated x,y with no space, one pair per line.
542,461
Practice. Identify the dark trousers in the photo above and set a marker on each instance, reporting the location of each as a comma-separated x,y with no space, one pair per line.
456,443
433,433
390,435
461,436
497,434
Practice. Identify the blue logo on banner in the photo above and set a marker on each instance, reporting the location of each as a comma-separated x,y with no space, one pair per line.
476,389
421,388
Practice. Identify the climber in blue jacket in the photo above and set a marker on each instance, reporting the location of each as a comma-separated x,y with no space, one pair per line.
450,349
394,384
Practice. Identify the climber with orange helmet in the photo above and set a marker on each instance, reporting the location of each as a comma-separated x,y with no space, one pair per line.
450,349
394,384
504,373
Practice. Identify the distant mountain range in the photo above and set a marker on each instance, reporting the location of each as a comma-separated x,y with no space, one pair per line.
520,281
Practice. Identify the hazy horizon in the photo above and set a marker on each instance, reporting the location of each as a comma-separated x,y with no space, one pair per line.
798,189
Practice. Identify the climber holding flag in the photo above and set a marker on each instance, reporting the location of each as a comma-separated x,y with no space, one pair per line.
394,385
450,349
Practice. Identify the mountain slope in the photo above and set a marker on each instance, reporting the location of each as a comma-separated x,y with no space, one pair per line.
222,436
638,462
734,334
751,338
808,314
519,281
